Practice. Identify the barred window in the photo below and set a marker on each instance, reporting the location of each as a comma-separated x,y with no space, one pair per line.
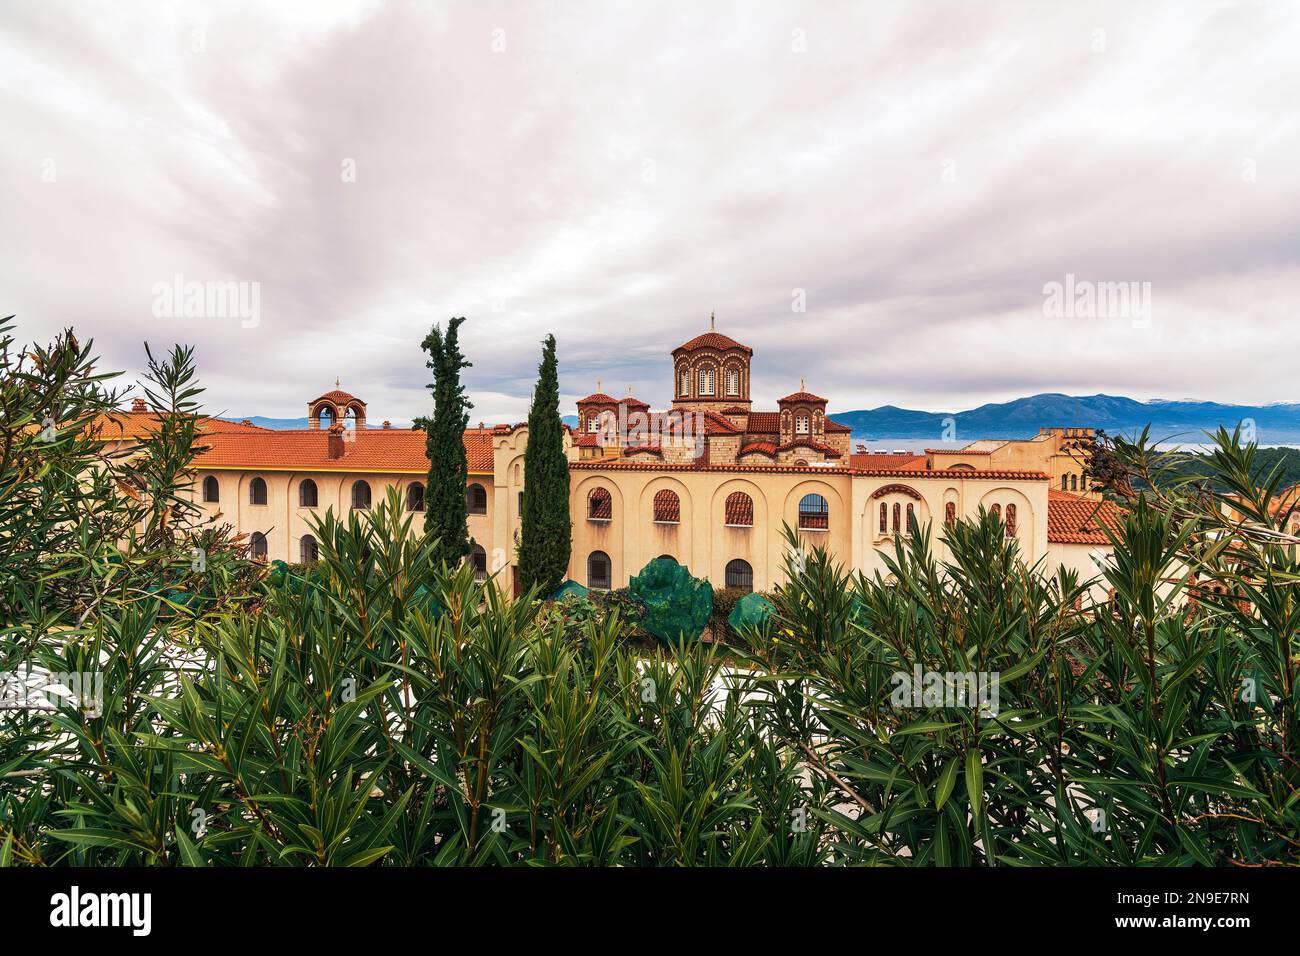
884,517
211,490
476,499
950,513
308,550
415,496
308,494
361,495
257,492
257,546
598,570
478,557
740,575
814,513
1011,521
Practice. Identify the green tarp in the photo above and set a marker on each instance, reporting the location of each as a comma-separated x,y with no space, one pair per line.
569,587
751,612
677,606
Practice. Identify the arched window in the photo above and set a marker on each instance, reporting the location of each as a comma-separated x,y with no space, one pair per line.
668,507
814,513
211,489
326,415
307,493
1065,482
600,505
706,381
733,381
1011,521
738,512
257,492
740,575
598,570
911,519
415,496
476,499
361,494
950,513
997,512
684,383
257,546
308,550
666,557
521,505
884,517
801,425
1074,482
898,511
478,558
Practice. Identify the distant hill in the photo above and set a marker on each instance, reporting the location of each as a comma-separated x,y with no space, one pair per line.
1022,418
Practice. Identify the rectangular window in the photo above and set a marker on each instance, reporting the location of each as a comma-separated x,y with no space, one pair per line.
801,425
706,381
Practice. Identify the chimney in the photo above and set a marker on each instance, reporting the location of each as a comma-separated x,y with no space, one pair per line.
336,443
138,405
246,421
387,423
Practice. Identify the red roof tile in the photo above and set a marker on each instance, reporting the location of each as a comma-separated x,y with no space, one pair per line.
832,426
1072,519
764,423
713,340
598,398
802,397
120,426
886,461
372,449
760,447
826,450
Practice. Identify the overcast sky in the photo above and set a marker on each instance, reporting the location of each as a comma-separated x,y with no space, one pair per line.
914,174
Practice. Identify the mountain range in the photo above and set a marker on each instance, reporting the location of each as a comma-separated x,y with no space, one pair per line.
1183,421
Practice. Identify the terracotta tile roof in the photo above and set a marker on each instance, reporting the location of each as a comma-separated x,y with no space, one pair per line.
739,510
735,410
598,398
338,396
373,449
713,340
1072,519
826,450
886,461
764,423
588,440
837,427
802,397
622,465
129,426
760,447
956,451
667,506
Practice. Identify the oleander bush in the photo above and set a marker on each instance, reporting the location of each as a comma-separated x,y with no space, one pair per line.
389,710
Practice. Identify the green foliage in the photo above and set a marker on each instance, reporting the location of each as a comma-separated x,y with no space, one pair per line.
446,513
386,709
546,534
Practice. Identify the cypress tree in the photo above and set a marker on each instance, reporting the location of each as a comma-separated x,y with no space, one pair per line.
545,543
445,509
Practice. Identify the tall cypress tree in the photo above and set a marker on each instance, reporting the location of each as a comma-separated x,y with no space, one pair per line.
445,509
545,543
